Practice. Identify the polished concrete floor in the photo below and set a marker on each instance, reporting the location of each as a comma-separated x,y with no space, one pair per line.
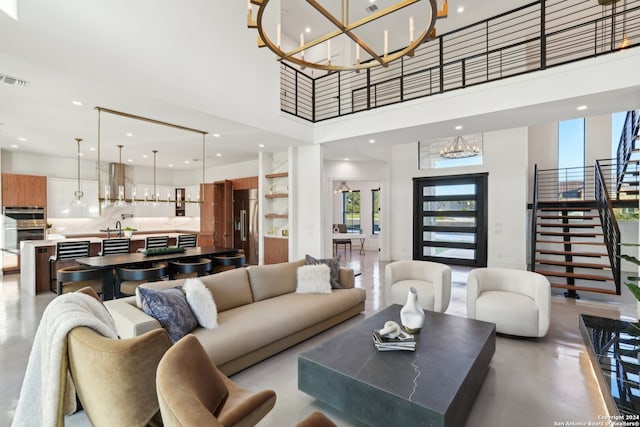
530,382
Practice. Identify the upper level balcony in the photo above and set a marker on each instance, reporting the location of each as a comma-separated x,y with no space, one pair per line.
534,37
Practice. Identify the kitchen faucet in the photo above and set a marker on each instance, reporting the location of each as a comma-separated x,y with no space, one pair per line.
119,228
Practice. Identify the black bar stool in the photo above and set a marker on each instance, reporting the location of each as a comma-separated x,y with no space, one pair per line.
156,242
129,278
182,269
67,251
71,279
228,262
187,240
116,246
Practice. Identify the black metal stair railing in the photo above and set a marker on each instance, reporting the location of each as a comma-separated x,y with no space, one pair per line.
609,224
567,184
626,147
533,37
534,219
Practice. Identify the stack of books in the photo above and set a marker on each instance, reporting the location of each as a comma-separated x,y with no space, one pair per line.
404,341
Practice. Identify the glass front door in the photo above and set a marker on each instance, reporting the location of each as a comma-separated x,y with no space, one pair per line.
450,219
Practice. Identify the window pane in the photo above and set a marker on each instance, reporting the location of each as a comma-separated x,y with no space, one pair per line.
451,205
449,221
439,236
448,190
449,253
571,144
375,211
351,210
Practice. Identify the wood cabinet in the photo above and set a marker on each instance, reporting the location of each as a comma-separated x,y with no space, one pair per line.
24,190
276,250
223,214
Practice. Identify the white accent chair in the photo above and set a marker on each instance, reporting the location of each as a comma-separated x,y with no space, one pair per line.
517,301
432,280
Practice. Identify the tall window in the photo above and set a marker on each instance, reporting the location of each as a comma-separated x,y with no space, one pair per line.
617,123
351,210
571,173
375,211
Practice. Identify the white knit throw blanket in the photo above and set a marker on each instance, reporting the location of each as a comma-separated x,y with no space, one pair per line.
40,393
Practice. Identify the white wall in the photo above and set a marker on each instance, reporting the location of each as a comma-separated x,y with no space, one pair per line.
505,159
308,222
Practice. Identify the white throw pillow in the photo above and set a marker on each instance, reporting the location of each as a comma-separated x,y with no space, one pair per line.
201,303
314,279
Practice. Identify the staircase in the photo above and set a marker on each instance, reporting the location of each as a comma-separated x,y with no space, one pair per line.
570,248
575,239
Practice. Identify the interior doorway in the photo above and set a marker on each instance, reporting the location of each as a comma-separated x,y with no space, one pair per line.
357,205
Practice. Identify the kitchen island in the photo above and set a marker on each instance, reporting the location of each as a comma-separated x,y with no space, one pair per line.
34,257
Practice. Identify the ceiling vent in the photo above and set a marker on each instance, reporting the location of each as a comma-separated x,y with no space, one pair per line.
13,81
371,8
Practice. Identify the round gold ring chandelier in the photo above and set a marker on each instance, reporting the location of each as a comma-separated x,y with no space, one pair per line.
343,26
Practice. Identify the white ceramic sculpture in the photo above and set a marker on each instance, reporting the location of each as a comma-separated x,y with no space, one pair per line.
412,315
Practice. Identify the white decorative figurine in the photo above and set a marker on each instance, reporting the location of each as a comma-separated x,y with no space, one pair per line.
412,315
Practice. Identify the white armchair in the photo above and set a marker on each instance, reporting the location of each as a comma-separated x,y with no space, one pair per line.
431,279
517,301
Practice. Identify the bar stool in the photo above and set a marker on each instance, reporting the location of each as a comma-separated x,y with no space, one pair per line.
187,240
67,251
227,262
182,269
116,246
156,242
71,279
130,277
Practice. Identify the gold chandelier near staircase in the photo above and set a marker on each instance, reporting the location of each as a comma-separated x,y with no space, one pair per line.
363,38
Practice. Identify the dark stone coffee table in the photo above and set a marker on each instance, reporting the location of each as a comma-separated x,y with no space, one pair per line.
434,386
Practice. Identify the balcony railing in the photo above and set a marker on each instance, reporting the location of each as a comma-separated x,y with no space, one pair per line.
539,35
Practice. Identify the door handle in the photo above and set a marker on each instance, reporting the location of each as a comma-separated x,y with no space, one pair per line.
243,225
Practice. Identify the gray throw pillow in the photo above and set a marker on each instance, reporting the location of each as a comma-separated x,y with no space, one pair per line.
334,267
170,308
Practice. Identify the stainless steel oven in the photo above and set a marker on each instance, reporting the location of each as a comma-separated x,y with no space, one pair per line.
22,223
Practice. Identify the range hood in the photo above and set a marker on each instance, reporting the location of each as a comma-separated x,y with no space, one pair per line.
119,175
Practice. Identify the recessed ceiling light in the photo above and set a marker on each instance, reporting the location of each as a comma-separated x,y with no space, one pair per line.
582,107
346,159
145,156
216,135
218,154
77,103
261,145
80,154
170,165
307,30
14,145
129,134
458,127
186,162
372,141
460,9
130,160
92,148
22,138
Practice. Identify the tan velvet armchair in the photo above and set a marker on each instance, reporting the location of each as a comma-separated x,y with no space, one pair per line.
192,391
115,379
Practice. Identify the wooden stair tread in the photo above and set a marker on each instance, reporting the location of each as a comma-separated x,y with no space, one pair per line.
582,254
571,243
569,233
566,208
574,264
567,216
568,225
584,288
575,275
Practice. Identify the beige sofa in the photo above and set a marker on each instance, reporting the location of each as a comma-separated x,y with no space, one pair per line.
259,313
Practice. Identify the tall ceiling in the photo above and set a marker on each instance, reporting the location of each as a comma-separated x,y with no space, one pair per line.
192,64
